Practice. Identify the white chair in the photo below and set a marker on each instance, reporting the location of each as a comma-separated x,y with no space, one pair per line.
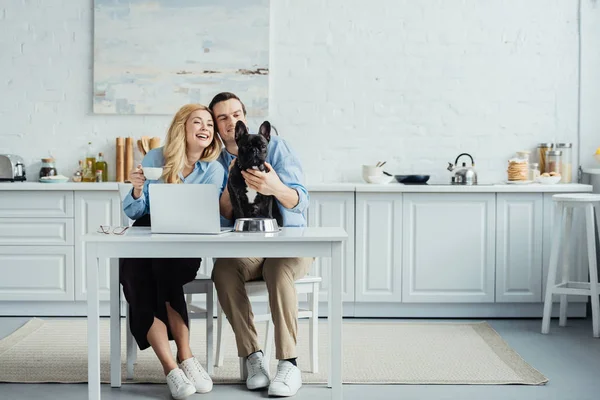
565,203
201,285
308,285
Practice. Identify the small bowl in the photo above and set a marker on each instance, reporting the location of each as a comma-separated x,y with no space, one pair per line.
152,173
548,180
380,179
265,225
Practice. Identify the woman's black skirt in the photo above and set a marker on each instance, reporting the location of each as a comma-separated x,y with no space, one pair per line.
149,283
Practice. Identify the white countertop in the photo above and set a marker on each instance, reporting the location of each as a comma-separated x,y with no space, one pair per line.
338,187
447,188
483,188
107,186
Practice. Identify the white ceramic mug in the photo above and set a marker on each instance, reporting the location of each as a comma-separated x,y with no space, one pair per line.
152,173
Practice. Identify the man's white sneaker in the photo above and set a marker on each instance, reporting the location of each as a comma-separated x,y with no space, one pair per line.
287,381
197,375
258,371
179,384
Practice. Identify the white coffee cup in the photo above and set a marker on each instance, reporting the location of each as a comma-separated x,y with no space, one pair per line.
152,173
371,170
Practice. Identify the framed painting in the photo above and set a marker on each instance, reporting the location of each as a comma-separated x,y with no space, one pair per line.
153,56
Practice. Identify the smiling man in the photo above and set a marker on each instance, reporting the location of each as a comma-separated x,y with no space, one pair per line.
284,181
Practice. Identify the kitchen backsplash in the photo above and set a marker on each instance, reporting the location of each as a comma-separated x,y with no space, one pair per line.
358,88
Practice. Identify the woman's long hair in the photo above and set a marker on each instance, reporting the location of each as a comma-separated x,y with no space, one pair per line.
175,148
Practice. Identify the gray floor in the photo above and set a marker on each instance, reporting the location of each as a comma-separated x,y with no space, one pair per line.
569,357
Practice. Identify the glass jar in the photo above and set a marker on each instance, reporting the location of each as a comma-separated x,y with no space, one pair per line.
523,155
534,171
553,162
566,171
542,149
48,168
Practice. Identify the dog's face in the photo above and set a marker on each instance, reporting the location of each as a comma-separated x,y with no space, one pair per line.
252,149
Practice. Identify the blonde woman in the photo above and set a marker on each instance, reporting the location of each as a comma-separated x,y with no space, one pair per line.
154,287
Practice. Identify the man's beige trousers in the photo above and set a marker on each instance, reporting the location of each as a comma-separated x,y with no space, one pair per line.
230,274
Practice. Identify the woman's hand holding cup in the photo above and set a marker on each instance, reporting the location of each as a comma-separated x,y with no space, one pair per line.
137,179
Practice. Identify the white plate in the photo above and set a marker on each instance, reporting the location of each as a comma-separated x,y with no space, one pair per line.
64,180
518,182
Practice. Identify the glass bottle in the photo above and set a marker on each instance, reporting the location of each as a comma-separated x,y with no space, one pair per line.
542,149
566,168
78,175
534,171
101,165
90,157
553,162
88,173
48,168
98,175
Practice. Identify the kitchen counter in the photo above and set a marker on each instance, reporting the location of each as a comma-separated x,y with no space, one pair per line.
335,187
104,186
446,188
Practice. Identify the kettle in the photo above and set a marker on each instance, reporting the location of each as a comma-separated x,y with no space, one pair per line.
464,175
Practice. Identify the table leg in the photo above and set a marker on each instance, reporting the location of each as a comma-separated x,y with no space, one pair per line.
210,364
335,324
92,266
115,325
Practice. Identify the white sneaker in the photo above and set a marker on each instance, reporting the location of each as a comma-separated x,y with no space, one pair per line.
287,381
258,371
179,384
197,375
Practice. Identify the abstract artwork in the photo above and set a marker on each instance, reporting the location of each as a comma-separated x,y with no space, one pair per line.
153,56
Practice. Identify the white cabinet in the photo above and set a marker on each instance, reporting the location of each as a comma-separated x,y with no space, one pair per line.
36,204
578,252
334,209
519,218
36,273
449,247
92,209
378,247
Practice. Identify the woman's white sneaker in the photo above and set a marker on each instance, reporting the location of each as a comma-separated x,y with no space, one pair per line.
197,375
179,384
287,381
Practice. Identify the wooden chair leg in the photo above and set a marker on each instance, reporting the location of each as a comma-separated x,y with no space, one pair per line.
220,356
269,338
566,258
594,287
243,369
551,282
131,348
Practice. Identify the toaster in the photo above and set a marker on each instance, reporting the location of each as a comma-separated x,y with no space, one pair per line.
12,168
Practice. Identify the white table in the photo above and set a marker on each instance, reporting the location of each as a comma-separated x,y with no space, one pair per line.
138,242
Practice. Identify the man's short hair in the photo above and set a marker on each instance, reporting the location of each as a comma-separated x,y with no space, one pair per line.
224,96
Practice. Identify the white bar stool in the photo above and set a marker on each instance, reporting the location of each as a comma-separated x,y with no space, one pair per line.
564,205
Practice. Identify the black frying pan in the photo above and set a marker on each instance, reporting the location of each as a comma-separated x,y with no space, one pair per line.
412,179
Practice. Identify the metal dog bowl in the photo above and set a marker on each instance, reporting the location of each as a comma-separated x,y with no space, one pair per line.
256,225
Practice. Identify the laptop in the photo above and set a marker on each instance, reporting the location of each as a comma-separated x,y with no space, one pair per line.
181,208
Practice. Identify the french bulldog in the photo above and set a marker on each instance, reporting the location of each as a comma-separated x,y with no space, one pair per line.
252,153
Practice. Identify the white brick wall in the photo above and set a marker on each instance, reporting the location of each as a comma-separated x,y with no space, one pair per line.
413,82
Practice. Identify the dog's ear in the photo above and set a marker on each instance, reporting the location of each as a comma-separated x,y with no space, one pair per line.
265,130
240,130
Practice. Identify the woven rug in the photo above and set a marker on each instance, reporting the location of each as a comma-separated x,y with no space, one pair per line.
374,352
